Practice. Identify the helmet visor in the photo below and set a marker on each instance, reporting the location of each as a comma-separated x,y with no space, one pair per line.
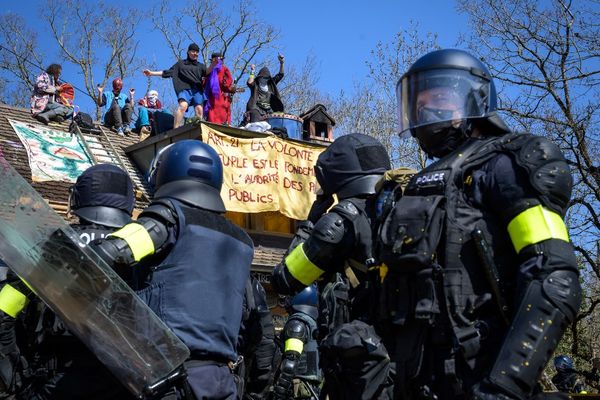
440,95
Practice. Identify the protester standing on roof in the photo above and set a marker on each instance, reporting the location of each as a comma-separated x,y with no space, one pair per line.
117,107
187,81
219,89
44,105
264,96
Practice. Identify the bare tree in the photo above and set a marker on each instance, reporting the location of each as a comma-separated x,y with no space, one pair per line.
299,89
80,30
545,57
20,60
240,35
371,108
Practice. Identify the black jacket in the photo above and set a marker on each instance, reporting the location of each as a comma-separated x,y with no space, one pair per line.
186,74
276,103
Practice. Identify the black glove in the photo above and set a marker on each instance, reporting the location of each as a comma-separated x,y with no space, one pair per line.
320,206
283,388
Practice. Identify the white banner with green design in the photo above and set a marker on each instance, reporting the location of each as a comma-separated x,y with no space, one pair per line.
53,155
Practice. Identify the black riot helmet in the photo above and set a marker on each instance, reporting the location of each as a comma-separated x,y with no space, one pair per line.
103,194
191,172
442,96
351,165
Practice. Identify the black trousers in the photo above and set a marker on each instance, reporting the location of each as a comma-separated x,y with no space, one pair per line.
117,116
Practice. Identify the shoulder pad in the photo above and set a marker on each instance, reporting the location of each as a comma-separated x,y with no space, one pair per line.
295,328
162,209
548,171
346,209
329,228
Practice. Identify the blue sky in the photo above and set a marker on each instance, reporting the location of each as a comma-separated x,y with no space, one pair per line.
340,34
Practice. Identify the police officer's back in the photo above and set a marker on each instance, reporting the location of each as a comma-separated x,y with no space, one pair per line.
59,366
191,264
481,266
299,373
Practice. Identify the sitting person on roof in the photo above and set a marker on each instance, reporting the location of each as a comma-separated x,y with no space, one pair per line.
147,106
264,96
116,107
44,103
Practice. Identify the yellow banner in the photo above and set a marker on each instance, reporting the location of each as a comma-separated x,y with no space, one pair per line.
265,174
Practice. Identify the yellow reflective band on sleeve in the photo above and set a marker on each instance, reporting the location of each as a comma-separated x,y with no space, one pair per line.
301,267
293,344
137,238
12,302
535,225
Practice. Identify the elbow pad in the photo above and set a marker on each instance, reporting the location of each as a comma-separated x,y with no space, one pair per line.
133,242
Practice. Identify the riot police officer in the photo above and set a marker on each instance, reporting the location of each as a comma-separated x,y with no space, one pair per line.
338,244
190,263
349,168
299,373
481,269
60,366
257,345
566,378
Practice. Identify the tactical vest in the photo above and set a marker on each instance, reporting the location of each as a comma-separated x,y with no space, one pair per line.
198,288
308,364
432,234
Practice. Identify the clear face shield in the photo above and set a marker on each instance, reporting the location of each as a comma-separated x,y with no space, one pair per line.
440,96
151,174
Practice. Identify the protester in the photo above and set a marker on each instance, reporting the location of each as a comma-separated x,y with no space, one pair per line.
482,279
147,106
116,107
219,89
191,264
45,106
188,76
264,95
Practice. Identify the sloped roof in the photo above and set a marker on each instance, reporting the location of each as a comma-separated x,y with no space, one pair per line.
105,147
316,109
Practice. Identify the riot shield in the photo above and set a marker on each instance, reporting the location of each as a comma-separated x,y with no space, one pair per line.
94,302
